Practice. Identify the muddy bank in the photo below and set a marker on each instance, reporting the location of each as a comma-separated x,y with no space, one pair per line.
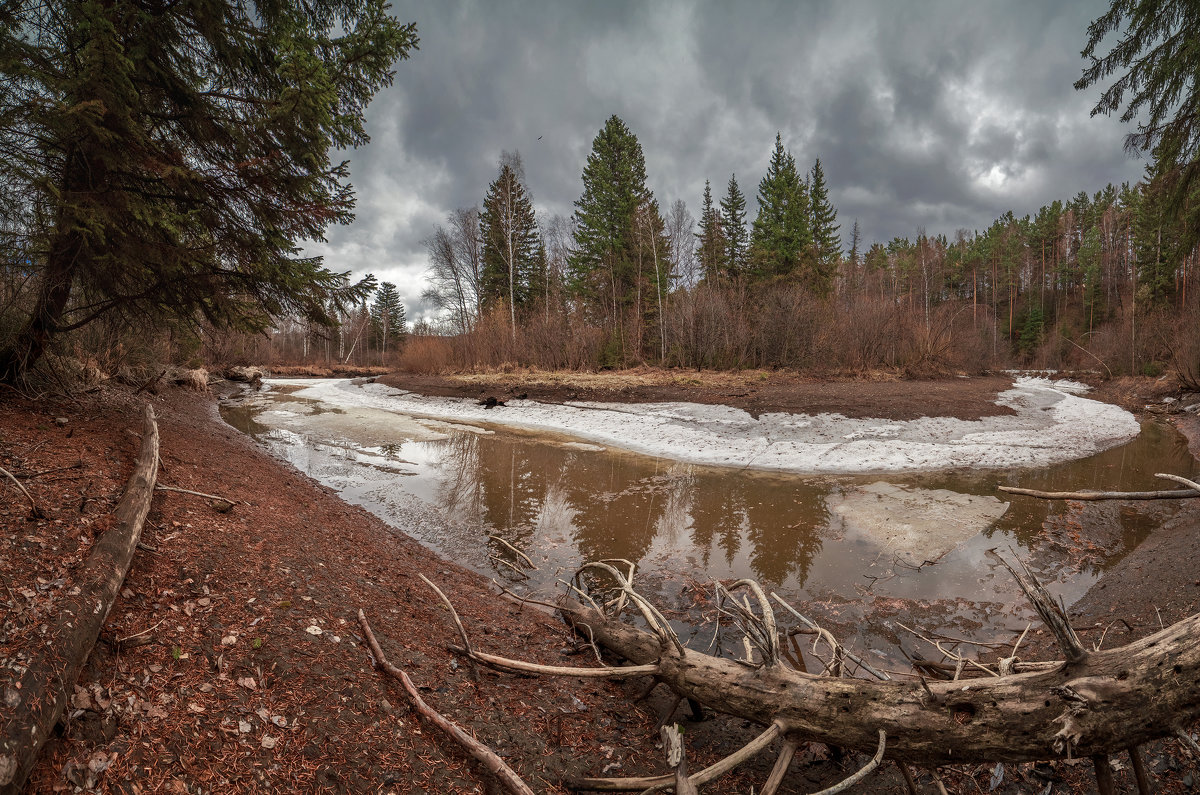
231,661
755,391
1158,582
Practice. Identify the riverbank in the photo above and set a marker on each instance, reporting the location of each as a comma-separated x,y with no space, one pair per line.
231,661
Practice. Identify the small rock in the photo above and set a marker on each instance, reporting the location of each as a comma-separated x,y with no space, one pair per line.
244,727
386,706
314,630
279,721
61,421
268,741
229,640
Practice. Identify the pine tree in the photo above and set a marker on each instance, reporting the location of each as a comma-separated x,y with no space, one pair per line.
781,233
387,318
710,240
1158,235
603,264
511,245
733,223
826,245
168,161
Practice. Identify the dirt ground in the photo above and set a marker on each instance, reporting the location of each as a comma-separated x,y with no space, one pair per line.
881,395
232,661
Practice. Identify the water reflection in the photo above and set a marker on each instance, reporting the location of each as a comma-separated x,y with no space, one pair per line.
454,486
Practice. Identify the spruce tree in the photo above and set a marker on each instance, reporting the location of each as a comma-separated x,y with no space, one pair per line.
387,318
168,161
603,263
826,245
1157,49
1158,235
710,240
733,223
511,244
781,234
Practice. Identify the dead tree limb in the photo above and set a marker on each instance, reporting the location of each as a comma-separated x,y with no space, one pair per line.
478,751
34,510
865,771
1107,701
44,687
216,497
714,771
1052,615
1192,490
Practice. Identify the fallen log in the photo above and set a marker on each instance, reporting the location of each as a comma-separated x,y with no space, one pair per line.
1106,702
43,690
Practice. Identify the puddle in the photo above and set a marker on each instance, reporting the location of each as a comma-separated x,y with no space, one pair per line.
859,552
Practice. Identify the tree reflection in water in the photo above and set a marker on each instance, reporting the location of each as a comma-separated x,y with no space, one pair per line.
537,496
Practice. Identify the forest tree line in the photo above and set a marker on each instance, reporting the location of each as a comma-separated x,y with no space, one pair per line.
1103,281
174,193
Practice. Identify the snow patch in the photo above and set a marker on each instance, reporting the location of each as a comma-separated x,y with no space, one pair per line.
1052,423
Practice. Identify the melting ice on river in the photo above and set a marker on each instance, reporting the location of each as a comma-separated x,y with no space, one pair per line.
1052,423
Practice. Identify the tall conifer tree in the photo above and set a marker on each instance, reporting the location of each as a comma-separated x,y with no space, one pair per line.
603,263
177,155
826,244
781,235
511,245
733,223
710,240
387,318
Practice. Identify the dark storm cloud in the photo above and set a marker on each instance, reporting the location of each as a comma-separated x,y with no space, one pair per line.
934,115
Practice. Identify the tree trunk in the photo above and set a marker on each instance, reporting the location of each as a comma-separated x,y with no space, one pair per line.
30,343
1108,701
45,687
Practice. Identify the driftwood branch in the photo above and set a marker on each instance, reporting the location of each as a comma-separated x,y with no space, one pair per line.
710,773
217,497
478,751
1192,490
1107,701
865,771
33,507
1051,613
45,685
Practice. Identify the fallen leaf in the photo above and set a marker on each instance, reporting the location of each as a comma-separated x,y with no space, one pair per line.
247,682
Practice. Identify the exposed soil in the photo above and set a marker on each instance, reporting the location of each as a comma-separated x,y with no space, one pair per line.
881,395
232,661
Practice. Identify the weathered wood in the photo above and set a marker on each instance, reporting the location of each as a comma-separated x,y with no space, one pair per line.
33,507
478,751
1109,701
44,688
1165,494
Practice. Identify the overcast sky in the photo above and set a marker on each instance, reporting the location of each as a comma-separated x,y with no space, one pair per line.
940,115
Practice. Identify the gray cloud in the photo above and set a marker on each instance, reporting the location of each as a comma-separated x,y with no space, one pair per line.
928,115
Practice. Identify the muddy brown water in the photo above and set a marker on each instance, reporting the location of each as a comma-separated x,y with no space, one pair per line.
808,538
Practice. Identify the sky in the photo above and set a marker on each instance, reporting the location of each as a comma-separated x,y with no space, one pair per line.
925,115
